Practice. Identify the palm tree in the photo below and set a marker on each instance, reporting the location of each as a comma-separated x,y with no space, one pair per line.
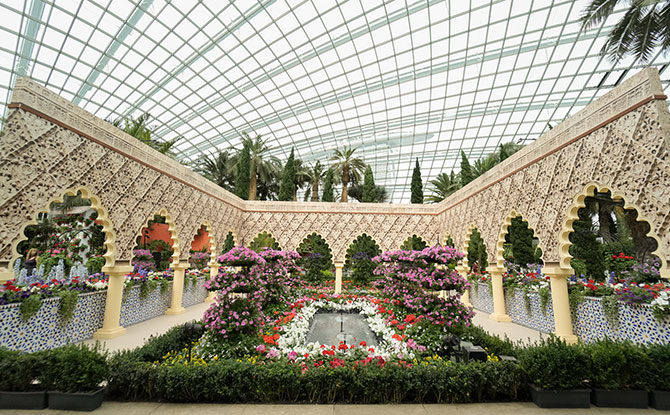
264,167
481,166
301,177
316,174
643,27
219,168
347,167
140,129
443,186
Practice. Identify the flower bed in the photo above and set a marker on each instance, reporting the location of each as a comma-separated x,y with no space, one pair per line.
45,330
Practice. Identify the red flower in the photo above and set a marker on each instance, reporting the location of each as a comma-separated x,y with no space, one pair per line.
363,343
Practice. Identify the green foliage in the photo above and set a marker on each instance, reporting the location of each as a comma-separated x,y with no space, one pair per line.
243,174
287,187
355,192
166,251
477,251
553,364
49,261
414,243
38,236
68,302
450,242
95,263
466,170
619,365
369,189
30,306
19,370
545,295
229,243
140,129
521,239
74,368
358,258
659,370
146,287
417,185
347,167
218,168
241,381
610,306
262,241
328,195
316,257
494,344
443,186
585,246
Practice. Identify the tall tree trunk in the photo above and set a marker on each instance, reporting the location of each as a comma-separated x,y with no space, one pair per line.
605,221
643,245
295,194
315,191
252,186
345,182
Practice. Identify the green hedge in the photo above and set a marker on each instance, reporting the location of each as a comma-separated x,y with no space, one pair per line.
233,381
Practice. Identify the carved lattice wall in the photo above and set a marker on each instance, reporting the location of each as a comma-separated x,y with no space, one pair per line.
621,142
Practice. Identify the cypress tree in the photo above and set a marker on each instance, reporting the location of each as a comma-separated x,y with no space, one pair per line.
369,189
228,244
417,188
585,246
521,238
466,169
287,185
328,195
450,242
243,176
477,251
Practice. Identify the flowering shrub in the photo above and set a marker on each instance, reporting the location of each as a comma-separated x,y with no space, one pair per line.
198,260
143,259
241,256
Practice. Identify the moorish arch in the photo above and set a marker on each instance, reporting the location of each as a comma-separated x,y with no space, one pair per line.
504,229
172,229
579,202
103,218
212,246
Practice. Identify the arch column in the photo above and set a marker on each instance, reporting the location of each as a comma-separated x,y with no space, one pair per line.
561,301
465,298
177,289
338,276
213,273
499,312
110,325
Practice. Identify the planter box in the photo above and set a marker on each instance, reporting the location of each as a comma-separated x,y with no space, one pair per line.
79,401
620,398
23,400
550,398
660,400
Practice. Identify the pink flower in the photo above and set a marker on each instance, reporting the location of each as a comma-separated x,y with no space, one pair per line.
260,348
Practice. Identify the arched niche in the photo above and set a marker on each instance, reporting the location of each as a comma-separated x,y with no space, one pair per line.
264,240
414,242
145,236
579,202
102,219
473,247
504,234
203,241
229,242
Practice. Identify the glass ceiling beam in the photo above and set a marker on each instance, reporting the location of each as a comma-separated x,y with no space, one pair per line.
33,26
117,41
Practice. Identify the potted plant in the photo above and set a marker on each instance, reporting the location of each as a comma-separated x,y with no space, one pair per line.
556,372
659,376
619,374
72,374
17,390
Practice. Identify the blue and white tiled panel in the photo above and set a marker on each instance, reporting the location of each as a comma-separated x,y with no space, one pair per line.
194,294
481,298
636,323
537,319
135,309
45,330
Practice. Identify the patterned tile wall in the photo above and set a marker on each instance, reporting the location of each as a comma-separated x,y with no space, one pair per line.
194,295
481,298
538,319
135,309
45,330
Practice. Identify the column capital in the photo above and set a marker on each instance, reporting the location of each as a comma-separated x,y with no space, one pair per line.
338,264
212,264
180,266
495,270
462,269
117,270
556,271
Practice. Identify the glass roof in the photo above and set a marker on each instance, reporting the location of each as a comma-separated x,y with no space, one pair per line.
399,80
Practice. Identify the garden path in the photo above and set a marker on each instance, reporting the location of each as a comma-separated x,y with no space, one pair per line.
516,408
515,332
